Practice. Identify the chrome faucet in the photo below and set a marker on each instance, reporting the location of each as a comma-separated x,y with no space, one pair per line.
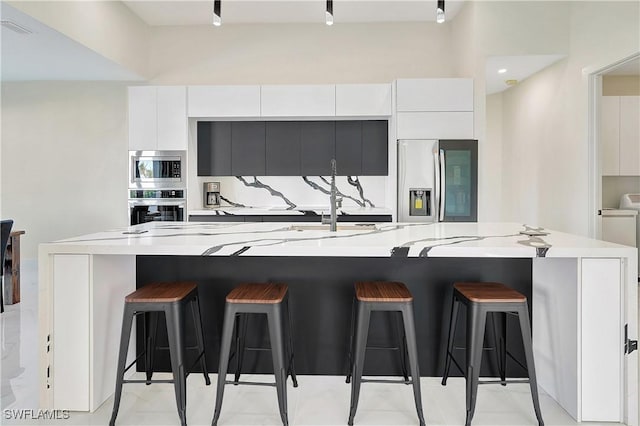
333,199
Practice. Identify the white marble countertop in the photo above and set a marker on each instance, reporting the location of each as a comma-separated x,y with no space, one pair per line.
383,240
282,210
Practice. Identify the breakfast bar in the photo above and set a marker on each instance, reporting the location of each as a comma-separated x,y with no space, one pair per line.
581,294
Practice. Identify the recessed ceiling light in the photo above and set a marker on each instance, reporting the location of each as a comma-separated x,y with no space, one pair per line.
502,70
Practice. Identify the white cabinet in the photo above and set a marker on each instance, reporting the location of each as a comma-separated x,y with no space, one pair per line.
224,101
610,135
601,341
630,135
157,118
434,125
298,101
620,135
434,94
363,100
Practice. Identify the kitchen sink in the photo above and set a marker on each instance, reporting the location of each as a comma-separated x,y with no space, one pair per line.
323,227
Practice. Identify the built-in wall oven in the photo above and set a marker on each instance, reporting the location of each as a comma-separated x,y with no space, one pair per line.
157,169
156,205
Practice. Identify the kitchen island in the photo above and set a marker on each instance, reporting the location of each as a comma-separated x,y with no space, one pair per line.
583,295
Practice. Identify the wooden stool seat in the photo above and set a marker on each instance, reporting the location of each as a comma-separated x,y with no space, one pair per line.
265,293
161,292
382,291
478,292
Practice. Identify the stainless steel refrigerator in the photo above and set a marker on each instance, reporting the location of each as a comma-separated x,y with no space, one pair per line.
437,180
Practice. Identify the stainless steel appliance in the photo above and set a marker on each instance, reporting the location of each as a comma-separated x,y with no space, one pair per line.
437,180
157,169
211,193
163,205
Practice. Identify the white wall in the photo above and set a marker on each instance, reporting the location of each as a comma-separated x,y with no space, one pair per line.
545,148
64,159
300,53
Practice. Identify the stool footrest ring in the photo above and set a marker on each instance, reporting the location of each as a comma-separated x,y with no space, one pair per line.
231,382
399,382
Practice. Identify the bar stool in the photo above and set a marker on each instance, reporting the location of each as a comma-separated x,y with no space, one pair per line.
480,299
390,297
258,298
172,299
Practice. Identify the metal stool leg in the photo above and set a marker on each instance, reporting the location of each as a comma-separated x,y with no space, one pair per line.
276,327
412,349
351,338
152,335
476,321
125,334
292,369
455,305
500,337
197,322
402,343
362,331
225,348
523,315
241,334
175,326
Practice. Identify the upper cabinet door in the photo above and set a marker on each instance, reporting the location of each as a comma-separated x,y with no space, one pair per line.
298,101
363,100
172,118
435,125
318,147
349,148
375,148
248,148
224,101
157,118
630,135
214,148
143,118
610,135
283,148
434,94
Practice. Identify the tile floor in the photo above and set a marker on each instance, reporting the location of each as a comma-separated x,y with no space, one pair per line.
319,400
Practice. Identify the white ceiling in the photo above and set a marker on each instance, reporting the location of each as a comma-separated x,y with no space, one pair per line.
291,11
46,54
518,68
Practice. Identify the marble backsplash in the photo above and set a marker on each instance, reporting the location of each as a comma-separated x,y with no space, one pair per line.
294,191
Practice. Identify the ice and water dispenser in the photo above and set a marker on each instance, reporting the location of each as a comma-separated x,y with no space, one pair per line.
420,202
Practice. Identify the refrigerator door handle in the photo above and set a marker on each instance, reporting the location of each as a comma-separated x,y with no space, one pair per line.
401,171
443,185
436,193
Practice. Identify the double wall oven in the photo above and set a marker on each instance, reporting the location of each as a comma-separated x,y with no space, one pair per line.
157,186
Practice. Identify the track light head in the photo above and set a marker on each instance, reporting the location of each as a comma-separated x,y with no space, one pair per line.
329,12
440,12
217,16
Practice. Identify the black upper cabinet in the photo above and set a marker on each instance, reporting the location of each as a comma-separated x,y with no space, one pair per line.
318,147
248,148
292,148
214,148
375,148
349,148
283,148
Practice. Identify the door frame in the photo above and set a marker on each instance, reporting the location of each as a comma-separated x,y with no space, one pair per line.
594,77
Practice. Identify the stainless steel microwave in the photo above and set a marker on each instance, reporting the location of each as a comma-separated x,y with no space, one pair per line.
157,169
